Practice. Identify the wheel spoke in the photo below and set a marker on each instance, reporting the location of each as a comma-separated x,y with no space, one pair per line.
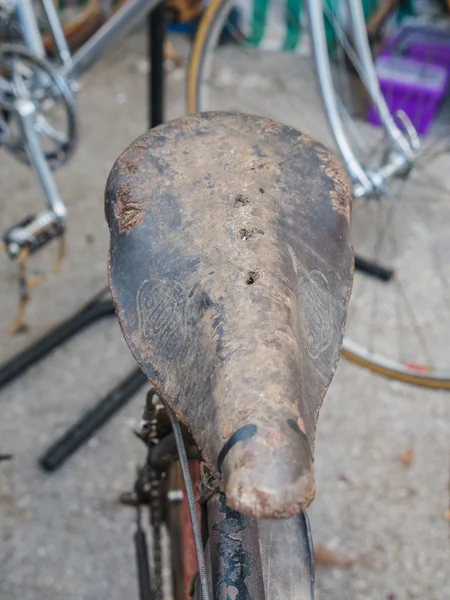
343,39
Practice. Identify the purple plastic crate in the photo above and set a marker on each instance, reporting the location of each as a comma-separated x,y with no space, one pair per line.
411,86
423,44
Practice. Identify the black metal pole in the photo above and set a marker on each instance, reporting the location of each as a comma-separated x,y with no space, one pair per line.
373,269
156,36
92,420
35,352
142,564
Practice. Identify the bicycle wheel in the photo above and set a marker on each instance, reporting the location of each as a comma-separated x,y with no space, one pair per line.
397,328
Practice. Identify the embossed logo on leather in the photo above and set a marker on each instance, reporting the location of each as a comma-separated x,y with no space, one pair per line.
315,307
161,309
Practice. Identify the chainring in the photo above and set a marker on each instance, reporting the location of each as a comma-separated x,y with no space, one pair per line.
35,79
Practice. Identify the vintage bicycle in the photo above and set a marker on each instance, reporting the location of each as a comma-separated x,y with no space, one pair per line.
38,115
230,266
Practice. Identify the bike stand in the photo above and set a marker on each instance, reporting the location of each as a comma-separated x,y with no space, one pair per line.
373,269
97,308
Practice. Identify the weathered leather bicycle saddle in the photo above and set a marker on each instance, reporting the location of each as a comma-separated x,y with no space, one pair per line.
231,266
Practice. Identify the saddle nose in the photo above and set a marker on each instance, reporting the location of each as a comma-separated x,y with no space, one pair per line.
262,390
266,464
230,266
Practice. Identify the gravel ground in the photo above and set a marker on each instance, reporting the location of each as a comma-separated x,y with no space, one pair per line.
382,452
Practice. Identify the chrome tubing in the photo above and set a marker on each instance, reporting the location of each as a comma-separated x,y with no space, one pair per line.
26,116
398,140
57,32
116,26
29,27
397,165
356,172
403,147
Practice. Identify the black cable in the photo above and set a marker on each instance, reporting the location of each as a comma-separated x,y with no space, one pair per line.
35,352
184,464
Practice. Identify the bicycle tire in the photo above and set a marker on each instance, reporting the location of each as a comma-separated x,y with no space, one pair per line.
424,373
396,372
213,12
198,52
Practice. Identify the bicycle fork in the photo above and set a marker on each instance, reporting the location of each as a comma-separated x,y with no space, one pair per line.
403,144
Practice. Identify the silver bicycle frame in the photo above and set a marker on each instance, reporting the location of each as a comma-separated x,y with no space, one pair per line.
57,31
29,27
402,151
116,26
71,66
93,49
363,51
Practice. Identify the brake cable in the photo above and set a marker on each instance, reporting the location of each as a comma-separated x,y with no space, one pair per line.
191,501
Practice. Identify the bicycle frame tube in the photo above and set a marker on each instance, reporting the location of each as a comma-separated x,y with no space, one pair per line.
29,27
27,115
317,28
57,31
371,82
403,152
114,27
